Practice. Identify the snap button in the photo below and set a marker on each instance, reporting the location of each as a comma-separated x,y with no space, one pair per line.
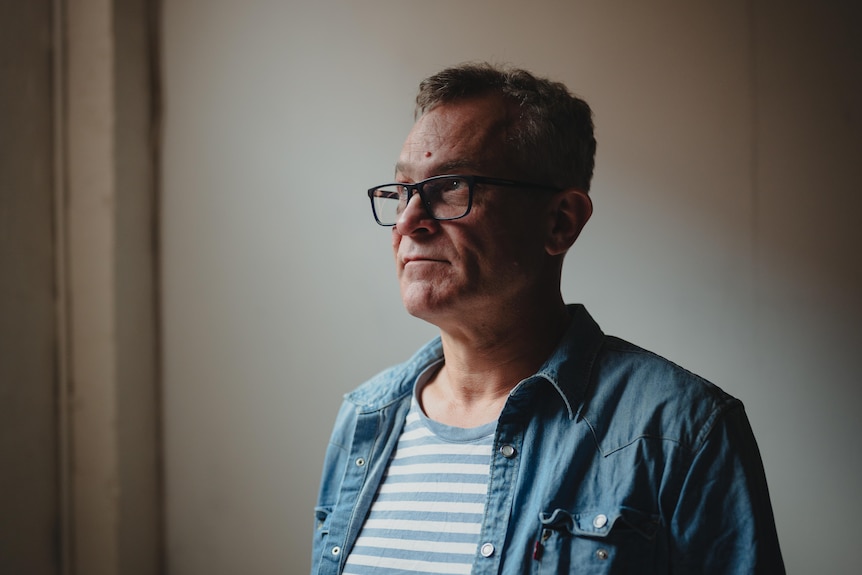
487,550
507,451
600,521
336,550
602,554
360,462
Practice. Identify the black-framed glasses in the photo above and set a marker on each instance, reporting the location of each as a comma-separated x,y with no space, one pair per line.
444,197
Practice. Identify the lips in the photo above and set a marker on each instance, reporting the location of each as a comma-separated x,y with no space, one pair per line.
421,258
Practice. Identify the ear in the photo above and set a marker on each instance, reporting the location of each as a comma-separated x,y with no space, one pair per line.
569,211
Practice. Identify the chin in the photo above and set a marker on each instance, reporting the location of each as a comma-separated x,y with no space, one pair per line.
433,299
422,303
418,308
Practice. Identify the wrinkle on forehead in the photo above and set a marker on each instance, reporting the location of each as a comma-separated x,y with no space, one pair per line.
450,167
466,134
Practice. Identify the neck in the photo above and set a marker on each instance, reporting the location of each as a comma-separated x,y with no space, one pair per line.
485,360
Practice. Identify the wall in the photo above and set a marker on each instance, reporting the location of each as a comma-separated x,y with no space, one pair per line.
79,442
29,474
723,237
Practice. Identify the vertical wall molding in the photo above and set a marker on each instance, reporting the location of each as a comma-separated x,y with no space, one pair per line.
106,234
61,290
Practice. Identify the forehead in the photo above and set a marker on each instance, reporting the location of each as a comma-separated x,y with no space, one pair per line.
469,134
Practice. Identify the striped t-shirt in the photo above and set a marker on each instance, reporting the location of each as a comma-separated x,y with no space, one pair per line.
427,514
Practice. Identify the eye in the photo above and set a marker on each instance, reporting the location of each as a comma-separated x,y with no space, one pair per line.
445,186
454,184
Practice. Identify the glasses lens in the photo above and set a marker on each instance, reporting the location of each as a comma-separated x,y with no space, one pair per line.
388,202
447,196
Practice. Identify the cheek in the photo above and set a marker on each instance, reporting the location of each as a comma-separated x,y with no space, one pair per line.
507,256
473,258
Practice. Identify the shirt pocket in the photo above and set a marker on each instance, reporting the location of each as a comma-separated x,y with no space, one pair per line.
614,539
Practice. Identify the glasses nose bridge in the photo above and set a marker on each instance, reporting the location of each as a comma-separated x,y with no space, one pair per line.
411,190
415,189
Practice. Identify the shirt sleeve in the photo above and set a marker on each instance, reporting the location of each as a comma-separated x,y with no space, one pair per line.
723,522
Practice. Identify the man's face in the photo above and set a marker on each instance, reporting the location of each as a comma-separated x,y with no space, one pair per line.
493,257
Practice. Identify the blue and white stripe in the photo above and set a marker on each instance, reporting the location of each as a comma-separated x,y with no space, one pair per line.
427,514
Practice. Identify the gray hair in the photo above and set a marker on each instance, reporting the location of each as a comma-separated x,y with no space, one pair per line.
552,136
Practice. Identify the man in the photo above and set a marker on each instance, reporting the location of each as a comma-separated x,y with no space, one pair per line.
523,439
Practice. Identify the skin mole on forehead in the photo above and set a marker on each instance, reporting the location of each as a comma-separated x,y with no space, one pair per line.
427,154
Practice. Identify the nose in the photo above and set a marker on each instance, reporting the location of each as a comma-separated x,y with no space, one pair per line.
415,217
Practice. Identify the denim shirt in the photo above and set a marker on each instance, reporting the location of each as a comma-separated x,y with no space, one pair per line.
609,459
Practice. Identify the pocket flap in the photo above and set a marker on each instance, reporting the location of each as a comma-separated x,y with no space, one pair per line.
599,522
321,514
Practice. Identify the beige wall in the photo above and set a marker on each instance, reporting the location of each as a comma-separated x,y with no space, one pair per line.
724,234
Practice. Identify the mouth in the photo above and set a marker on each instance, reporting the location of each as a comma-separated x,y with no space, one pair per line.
420,259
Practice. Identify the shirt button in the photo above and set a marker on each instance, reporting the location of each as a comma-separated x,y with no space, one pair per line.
507,451
360,462
487,550
600,521
602,554
336,550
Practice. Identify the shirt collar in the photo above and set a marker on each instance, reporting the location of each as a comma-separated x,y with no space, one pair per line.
568,367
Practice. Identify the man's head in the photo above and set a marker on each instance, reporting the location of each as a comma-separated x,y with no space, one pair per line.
482,245
550,131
